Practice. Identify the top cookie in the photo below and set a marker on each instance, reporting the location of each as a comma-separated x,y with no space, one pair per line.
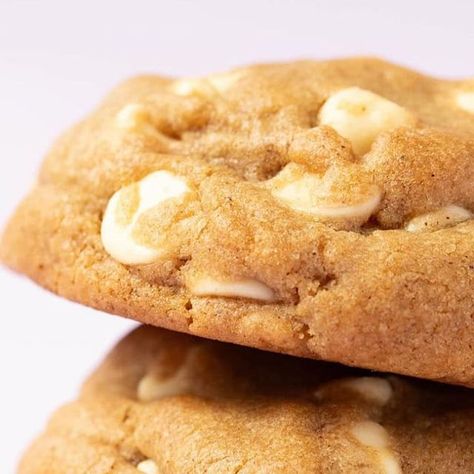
322,209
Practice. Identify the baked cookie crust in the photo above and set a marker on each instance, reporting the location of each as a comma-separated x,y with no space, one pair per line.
168,402
321,209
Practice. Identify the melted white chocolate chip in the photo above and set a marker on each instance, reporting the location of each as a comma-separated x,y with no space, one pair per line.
132,116
185,87
360,116
317,195
151,387
244,288
447,216
117,233
224,81
372,389
206,86
154,386
373,435
148,466
389,463
465,100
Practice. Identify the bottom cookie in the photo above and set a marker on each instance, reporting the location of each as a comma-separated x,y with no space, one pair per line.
163,402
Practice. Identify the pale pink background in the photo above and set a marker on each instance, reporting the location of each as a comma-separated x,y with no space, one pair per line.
58,58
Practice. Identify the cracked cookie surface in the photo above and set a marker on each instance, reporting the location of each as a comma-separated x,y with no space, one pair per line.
322,209
164,402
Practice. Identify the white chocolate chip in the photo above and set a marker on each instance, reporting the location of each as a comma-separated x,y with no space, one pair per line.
206,86
372,389
223,82
117,237
152,388
360,116
185,87
317,195
447,216
374,435
389,462
148,466
465,100
371,434
132,116
245,288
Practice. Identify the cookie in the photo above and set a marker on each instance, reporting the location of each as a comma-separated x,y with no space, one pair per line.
321,209
169,402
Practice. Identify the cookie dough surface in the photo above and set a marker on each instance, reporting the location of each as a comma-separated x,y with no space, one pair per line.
322,209
165,402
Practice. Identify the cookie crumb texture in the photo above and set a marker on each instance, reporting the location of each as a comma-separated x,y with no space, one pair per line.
235,409
323,209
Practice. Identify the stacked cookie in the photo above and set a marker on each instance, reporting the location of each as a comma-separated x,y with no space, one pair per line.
318,209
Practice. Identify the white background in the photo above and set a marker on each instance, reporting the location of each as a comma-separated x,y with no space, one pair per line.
58,58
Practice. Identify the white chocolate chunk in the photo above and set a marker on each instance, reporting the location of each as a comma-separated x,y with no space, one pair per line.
152,388
224,81
148,466
371,434
132,116
245,288
447,216
389,462
372,389
117,237
465,100
207,86
118,242
316,195
185,87
360,116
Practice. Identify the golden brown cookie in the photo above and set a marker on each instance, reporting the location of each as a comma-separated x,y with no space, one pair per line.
165,402
322,209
